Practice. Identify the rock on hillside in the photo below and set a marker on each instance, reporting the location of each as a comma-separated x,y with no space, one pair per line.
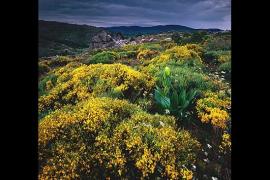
105,39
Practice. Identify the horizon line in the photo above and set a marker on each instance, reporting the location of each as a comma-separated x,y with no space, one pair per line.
83,24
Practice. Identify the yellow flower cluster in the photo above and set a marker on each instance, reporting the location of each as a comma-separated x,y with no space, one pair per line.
226,143
216,116
111,137
177,53
214,109
75,84
195,47
56,62
147,54
131,47
186,174
147,162
172,172
49,85
224,57
167,45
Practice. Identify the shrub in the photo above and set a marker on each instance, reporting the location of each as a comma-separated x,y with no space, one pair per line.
131,47
180,54
176,37
43,68
181,39
225,146
60,61
211,57
189,77
195,37
167,45
225,67
147,54
198,37
219,42
46,84
214,109
128,54
225,57
150,46
105,57
79,83
145,103
195,47
108,138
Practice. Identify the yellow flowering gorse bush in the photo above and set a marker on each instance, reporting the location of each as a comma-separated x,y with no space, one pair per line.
79,83
177,53
226,143
195,47
223,58
110,137
186,174
147,54
214,109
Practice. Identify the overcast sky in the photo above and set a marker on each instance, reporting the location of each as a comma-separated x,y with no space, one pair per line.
104,13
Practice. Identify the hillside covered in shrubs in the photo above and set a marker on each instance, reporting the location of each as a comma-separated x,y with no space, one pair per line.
154,110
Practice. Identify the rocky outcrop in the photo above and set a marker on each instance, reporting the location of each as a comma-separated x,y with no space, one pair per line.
105,39
102,40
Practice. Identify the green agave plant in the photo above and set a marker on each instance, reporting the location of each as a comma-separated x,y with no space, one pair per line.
173,98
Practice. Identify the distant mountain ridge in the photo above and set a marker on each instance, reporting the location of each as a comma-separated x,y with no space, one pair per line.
58,38
136,30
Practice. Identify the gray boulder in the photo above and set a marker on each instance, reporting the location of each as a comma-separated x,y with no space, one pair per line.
106,40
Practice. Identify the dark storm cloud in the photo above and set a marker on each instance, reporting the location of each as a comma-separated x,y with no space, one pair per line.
193,13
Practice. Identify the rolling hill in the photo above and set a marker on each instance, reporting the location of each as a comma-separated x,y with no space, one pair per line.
63,38
57,38
138,30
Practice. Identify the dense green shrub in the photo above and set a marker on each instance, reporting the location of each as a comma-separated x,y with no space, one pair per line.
217,57
198,37
43,68
188,75
46,84
130,47
167,44
60,61
225,67
127,54
219,42
195,37
105,57
150,46
46,66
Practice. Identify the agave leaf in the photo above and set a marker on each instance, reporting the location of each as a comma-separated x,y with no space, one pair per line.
181,96
162,99
174,99
191,95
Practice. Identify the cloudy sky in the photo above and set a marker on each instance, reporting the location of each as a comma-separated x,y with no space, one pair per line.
104,13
